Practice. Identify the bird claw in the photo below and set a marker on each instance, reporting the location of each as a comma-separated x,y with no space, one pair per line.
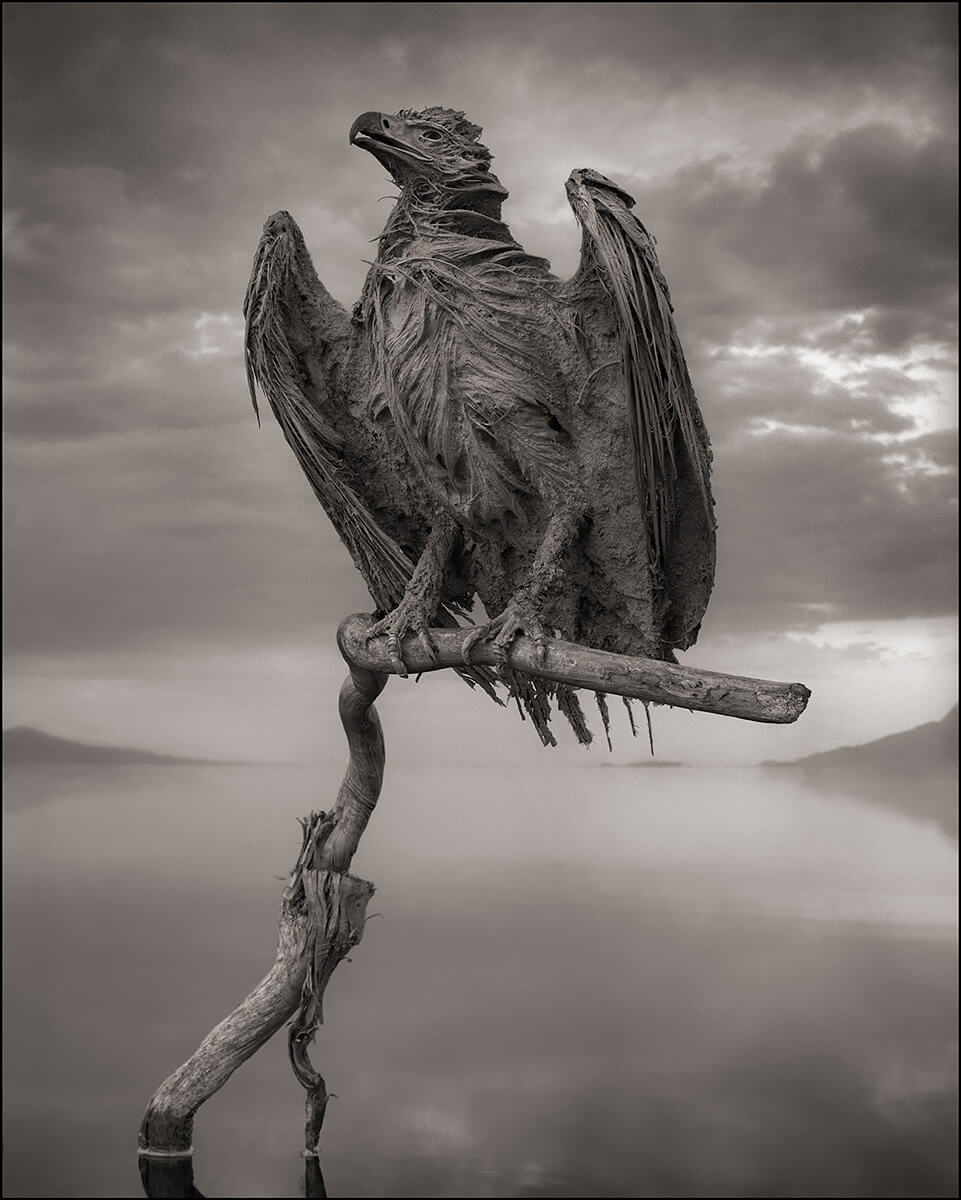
427,643
520,617
473,638
406,618
393,651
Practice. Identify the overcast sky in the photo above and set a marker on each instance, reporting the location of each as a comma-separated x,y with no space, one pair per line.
170,579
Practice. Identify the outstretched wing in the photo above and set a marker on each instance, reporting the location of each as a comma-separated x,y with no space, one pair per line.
274,366
295,347
278,370
671,451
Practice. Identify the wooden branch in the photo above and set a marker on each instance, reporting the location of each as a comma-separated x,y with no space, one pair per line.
640,678
167,1126
322,917
323,909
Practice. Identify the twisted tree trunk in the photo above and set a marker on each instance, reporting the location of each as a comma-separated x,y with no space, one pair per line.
321,918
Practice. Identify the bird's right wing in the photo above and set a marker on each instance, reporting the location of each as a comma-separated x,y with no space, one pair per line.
279,370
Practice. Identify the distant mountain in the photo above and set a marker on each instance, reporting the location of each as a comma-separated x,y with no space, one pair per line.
913,750
25,746
915,771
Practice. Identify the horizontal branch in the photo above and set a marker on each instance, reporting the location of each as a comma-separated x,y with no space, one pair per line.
579,666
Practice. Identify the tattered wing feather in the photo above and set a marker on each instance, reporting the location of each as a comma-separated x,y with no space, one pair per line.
661,404
273,366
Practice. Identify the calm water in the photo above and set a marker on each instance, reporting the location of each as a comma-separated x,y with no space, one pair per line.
584,982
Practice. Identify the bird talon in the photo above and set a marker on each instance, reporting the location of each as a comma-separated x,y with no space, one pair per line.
408,617
519,619
503,641
473,638
393,650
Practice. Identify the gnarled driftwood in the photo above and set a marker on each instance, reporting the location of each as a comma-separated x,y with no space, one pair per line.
321,918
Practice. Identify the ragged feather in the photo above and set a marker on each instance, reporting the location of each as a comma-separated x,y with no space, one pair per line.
273,367
662,409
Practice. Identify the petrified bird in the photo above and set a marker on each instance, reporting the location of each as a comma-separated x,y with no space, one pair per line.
478,428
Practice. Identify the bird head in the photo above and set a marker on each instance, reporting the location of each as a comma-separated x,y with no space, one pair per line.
434,156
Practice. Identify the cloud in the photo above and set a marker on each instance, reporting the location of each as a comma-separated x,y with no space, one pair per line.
167,536
831,526
127,375
794,161
752,389
863,222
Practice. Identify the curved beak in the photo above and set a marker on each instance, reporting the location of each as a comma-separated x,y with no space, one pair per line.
375,132
368,124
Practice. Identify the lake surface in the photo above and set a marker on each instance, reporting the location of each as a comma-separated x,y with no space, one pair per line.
583,982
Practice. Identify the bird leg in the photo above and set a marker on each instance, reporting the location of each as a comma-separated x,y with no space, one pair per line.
522,614
418,606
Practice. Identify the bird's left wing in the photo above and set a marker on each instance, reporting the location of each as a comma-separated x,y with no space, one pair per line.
620,285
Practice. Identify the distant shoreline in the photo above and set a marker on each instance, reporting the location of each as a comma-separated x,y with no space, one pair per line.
920,750
655,762
24,746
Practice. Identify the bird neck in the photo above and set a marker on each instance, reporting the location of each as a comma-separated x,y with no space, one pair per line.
426,211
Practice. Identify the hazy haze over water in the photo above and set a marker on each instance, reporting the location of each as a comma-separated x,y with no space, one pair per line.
583,982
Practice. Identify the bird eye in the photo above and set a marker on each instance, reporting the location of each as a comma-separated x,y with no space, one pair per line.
431,135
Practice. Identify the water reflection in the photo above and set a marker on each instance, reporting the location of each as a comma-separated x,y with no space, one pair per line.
173,1178
167,1178
584,983
314,1179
